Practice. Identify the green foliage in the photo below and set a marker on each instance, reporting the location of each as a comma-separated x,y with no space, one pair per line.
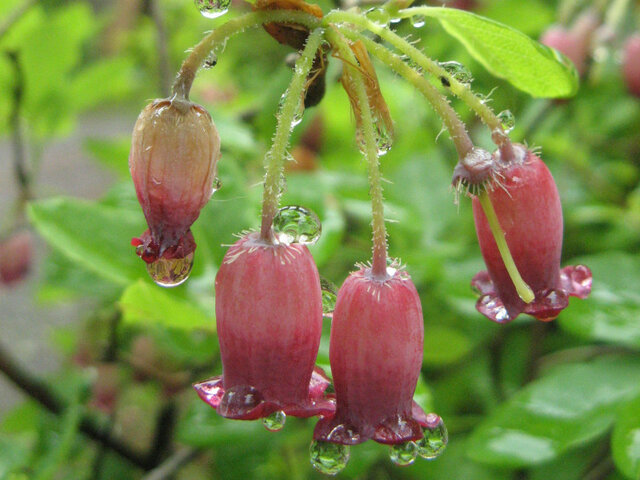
526,400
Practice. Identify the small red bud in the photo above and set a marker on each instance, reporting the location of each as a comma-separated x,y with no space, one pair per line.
376,353
16,255
527,205
631,64
269,319
174,153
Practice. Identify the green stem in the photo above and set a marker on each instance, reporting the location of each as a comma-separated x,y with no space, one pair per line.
275,157
524,291
452,122
219,36
370,151
461,90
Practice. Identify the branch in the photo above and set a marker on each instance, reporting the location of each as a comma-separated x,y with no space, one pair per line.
43,394
173,464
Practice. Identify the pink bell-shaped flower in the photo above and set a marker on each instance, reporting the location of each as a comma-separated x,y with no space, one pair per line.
376,353
174,153
269,321
527,206
16,257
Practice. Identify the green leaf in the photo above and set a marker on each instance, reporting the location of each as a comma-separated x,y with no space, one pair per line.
508,53
92,235
611,312
568,407
143,302
444,345
111,153
625,442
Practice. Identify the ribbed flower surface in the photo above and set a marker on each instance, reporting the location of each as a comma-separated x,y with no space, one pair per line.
269,322
528,208
174,153
376,353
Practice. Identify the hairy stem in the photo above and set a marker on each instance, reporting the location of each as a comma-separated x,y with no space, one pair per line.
219,36
370,151
524,291
275,157
461,90
452,122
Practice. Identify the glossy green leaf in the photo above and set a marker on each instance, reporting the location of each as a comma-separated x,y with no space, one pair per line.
508,53
625,442
611,312
144,302
92,235
570,406
443,345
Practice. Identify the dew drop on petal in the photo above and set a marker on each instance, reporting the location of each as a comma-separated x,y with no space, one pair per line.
507,120
170,272
213,8
275,421
458,71
239,400
576,280
435,438
492,307
418,21
295,224
329,458
403,454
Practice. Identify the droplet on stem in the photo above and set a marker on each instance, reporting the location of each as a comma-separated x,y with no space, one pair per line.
213,8
403,454
507,120
295,224
170,272
329,458
458,71
275,421
329,295
418,21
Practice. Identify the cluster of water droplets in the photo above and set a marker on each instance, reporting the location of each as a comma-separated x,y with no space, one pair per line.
295,224
213,8
457,71
329,458
170,272
429,447
275,421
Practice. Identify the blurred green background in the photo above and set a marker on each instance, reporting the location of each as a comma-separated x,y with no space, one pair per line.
112,356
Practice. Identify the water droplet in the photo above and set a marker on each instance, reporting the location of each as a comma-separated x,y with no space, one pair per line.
213,8
217,185
295,224
403,454
329,458
170,272
507,120
298,114
492,307
210,61
435,438
239,400
378,15
275,421
457,71
418,21
329,295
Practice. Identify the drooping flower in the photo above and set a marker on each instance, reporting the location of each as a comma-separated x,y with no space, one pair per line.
376,353
16,256
174,153
527,206
269,322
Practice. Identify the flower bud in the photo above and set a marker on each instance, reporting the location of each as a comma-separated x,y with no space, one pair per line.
269,322
631,64
16,255
174,153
